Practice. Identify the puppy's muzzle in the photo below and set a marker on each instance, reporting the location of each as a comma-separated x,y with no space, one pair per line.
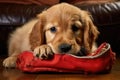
63,48
82,52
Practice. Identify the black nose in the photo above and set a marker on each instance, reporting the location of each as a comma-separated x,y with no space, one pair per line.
64,48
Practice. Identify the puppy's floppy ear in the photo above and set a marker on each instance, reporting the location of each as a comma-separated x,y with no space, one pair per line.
90,32
37,35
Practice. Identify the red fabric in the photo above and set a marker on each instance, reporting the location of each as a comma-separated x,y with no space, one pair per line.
96,63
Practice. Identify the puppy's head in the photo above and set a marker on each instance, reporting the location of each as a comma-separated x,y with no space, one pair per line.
65,28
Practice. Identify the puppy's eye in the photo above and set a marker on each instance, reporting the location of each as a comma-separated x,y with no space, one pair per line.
74,28
53,29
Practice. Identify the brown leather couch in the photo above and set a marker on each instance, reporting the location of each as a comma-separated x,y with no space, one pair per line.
106,17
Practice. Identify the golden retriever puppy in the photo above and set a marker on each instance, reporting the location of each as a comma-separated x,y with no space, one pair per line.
62,28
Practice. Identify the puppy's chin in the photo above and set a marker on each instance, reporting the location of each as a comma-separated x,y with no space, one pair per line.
81,52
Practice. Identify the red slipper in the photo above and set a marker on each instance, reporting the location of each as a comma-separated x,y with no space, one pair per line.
101,61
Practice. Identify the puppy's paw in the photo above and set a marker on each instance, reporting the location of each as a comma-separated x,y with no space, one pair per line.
10,62
43,52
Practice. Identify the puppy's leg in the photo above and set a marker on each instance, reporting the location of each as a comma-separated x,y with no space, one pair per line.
43,52
10,62
14,51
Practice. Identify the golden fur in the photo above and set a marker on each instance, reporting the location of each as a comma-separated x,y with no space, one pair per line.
63,28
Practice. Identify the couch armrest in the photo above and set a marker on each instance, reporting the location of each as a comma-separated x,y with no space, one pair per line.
16,14
105,13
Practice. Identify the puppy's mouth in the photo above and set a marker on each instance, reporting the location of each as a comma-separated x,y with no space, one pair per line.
66,49
82,52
